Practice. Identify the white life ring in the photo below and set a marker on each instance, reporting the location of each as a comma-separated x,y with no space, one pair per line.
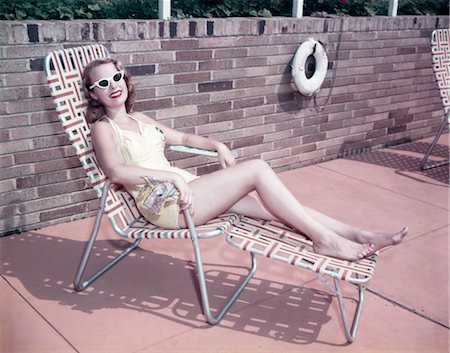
306,83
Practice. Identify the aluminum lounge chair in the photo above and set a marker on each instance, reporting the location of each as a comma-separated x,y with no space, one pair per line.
63,69
440,54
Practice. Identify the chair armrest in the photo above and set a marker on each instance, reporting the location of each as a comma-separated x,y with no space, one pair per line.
193,150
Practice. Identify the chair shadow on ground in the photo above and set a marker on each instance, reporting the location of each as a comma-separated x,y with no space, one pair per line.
159,285
405,165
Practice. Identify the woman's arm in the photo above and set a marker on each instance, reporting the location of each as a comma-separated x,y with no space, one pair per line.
174,137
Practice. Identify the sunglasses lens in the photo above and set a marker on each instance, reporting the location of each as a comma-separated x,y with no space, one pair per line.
117,77
103,83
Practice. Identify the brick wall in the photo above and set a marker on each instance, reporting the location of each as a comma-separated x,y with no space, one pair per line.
225,78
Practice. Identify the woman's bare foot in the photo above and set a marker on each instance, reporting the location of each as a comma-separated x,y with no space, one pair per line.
381,240
342,248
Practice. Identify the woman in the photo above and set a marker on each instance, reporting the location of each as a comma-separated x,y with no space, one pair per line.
129,146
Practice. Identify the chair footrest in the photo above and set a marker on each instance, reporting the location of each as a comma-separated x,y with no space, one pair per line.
279,242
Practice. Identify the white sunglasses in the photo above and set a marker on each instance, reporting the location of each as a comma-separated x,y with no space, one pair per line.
104,83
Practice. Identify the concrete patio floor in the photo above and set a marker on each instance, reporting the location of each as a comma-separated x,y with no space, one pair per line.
148,302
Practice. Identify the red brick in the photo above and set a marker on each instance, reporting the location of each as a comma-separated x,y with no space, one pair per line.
5,135
191,99
214,107
235,114
45,117
58,164
215,65
6,161
250,82
248,102
175,90
192,77
36,130
46,203
30,105
247,141
153,57
252,121
18,196
259,110
313,138
193,55
11,94
178,44
63,188
50,141
332,125
43,155
153,104
41,179
62,212
9,121
176,67
85,195
230,53
16,146
250,62
18,78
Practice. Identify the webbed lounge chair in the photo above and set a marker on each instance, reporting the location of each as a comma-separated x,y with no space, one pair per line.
440,54
63,69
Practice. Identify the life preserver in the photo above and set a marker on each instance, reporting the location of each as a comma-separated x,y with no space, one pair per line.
309,53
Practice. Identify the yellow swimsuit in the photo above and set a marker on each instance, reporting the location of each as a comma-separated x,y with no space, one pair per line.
146,149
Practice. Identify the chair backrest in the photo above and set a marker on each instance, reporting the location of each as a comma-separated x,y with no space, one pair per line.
440,53
63,69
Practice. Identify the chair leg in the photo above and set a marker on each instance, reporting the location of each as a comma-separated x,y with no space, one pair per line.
423,163
202,282
350,333
78,283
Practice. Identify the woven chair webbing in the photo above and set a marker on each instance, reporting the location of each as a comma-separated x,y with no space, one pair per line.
66,88
440,52
277,241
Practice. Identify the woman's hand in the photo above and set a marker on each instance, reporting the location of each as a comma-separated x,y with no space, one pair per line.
186,200
226,158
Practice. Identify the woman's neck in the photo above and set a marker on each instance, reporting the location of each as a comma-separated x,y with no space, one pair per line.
117,114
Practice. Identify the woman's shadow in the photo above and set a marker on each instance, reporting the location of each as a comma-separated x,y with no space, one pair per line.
159,285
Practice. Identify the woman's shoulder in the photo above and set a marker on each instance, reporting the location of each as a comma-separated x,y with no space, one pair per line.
101,125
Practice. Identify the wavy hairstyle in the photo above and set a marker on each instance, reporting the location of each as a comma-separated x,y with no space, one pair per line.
95,109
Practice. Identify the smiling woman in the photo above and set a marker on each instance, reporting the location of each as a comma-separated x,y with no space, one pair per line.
130,149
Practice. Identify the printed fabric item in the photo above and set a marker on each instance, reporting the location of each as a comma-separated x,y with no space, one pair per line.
157,194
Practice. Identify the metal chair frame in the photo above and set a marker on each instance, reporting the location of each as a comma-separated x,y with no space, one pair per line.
440,51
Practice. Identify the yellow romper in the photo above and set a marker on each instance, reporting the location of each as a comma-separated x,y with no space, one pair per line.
146,150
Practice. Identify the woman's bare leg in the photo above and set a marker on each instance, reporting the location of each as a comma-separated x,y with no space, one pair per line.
217,192
252,207
380,240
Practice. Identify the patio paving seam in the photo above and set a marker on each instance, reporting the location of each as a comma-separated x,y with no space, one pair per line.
407,240
383,188
40,315
404,307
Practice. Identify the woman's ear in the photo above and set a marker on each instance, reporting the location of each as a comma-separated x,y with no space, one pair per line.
92,95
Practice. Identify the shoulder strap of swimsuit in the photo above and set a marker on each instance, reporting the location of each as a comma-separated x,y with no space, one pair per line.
139,122
123,142
114,126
